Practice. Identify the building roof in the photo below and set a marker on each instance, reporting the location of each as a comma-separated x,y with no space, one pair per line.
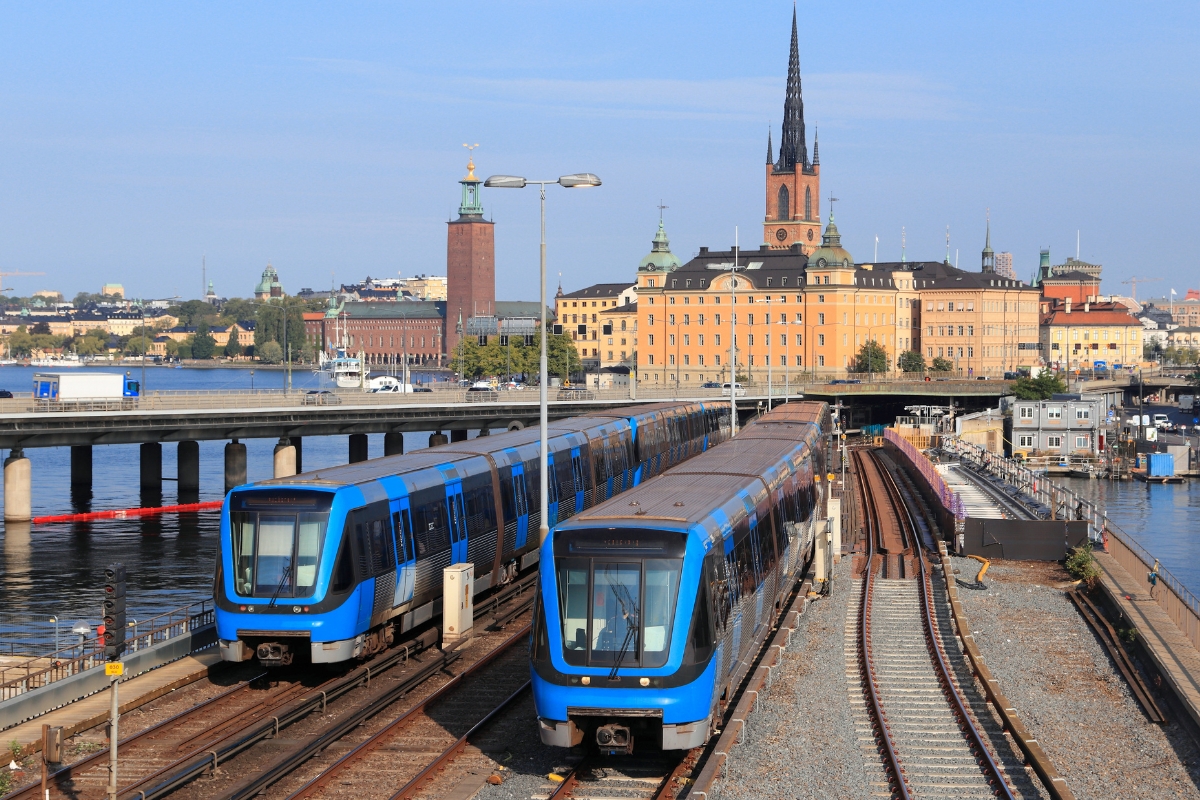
931,275
660,258
1080,317
627,308
1074,276
755,265
418,309
597,291
509,309
831,253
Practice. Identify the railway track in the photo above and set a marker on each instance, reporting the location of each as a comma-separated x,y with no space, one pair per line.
159,760
911,712
654,777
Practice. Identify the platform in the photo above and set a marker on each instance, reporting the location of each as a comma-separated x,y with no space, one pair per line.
1173,653
93,710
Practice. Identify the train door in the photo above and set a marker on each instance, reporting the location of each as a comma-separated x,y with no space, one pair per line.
577,478
759,562
456,514
406,552
520,503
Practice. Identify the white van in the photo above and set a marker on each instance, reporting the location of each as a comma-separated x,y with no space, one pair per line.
741,390
1161,420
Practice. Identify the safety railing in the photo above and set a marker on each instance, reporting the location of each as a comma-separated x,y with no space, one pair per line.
1179,603
38,671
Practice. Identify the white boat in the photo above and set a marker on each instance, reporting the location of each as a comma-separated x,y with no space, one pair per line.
345,371
58,362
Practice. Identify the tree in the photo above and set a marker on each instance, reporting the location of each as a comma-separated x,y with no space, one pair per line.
203,344
269,326
40,328
269,352
191,312
911,361
20,342
233,348
871,358
1039,388
1193,379
941,365
183,350
467,358
237,309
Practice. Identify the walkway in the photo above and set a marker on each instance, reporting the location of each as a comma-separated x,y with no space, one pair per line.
93,710
1172,652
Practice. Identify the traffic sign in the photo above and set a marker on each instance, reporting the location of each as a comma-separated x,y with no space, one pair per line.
114,668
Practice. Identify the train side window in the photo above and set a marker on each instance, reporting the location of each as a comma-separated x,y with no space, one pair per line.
343,570
506,494
520,495
402,527
481,509
430,530
701,641
718,589
577,473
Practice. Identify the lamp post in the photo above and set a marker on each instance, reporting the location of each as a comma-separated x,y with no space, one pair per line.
577,181
769,374
787,357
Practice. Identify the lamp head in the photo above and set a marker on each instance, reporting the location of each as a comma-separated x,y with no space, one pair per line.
505,182
579,180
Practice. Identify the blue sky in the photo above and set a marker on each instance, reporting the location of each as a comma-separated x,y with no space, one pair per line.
327,138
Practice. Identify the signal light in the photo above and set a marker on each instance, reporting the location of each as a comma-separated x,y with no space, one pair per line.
114,611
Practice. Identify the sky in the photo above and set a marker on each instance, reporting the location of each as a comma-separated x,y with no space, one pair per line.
138,140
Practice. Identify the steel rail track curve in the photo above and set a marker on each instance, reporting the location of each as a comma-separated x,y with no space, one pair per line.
877,483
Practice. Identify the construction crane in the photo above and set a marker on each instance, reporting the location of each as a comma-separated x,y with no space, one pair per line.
4,275
1134,282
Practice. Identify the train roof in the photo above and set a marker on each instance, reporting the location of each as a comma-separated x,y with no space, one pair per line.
373,469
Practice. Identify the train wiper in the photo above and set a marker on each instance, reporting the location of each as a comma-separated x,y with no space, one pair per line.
621,592
287,570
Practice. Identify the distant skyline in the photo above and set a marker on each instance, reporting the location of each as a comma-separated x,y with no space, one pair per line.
328,139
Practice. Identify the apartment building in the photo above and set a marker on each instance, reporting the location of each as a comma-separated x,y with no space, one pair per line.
1077,336
578,314
1064,425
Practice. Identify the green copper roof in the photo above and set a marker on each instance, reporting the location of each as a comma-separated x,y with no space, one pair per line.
660,259
830,253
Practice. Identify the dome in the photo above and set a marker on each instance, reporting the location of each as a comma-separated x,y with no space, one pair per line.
831,253
660,259
270,279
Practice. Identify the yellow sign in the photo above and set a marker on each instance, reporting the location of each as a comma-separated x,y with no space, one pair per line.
114,668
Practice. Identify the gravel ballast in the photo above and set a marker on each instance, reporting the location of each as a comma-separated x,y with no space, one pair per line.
1067,690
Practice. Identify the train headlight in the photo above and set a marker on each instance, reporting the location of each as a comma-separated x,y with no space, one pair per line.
644,681
585,680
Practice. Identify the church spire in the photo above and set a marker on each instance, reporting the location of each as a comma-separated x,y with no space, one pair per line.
769,148
989,256
816,150
793,148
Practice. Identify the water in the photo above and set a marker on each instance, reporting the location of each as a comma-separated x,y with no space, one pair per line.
56,570
1163,518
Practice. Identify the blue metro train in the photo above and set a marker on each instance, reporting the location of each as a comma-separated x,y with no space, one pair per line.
652,606
330,565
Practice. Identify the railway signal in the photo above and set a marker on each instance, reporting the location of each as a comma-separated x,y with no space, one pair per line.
114,611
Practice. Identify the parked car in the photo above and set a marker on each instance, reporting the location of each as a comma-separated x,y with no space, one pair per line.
739,389
320,397
1161,420
422,389
5,393
710,385
481,386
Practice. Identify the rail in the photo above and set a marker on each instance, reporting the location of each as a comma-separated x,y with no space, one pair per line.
38,671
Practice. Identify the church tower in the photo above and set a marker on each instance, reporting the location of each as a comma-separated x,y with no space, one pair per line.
470,261
793,182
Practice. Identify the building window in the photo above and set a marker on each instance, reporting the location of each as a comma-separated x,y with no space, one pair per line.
750,337
687,360
671,339
799,340
808,202
1054,412
970,330
687,319
820,361
1026,412
687,339
717,360
1053,442
651,357
672,359
702,340
799,363
750,317
717,339
820,319
1081,442
970,352
702,359
821,339
671,319
1025,440
1083,414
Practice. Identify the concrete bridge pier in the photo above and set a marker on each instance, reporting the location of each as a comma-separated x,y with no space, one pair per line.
298,443
150,461
285,458
438,438
458,436
393,443
188,473
235,464
358,447
484,431
81,466
18,487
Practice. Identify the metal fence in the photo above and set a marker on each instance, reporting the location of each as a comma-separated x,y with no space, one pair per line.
35,672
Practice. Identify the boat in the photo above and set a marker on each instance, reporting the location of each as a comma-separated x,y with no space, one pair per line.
344,370
1084,471
65,361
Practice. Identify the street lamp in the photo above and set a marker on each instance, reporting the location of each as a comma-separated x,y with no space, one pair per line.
577,181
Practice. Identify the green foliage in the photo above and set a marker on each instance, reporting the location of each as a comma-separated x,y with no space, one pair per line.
269,326
237,309
492,359
14,748
84,298
942,365
269,352
1081,564
911,361
203,344
183,350
40,329
871,358
1127,635
1194,378
232,348
1039,388
191,312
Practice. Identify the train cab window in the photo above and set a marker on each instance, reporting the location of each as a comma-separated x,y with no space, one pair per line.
276,541
617,601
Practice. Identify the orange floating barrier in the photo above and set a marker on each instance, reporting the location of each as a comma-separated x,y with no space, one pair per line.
129,513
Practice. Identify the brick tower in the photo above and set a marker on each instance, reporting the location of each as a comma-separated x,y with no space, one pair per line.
470,262
793,182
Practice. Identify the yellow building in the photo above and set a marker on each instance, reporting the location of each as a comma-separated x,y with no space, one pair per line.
619,335
1076,338
579,315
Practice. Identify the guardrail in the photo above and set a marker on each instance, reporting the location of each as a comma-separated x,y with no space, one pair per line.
39,671
1179,603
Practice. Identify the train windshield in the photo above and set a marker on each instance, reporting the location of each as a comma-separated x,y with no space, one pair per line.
617,595
277,537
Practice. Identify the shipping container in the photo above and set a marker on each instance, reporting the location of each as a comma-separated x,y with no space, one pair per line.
1161,465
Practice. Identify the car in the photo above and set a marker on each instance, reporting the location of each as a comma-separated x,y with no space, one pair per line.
1161,420
983,378
422,389
739,390
710,385
481,387
320,397
6,394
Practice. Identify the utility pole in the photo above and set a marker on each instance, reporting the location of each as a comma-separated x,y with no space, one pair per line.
114,645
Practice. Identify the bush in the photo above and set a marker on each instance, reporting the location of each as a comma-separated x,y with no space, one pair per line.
270,352
1082,564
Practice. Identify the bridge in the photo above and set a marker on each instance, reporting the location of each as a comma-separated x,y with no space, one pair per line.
187,418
